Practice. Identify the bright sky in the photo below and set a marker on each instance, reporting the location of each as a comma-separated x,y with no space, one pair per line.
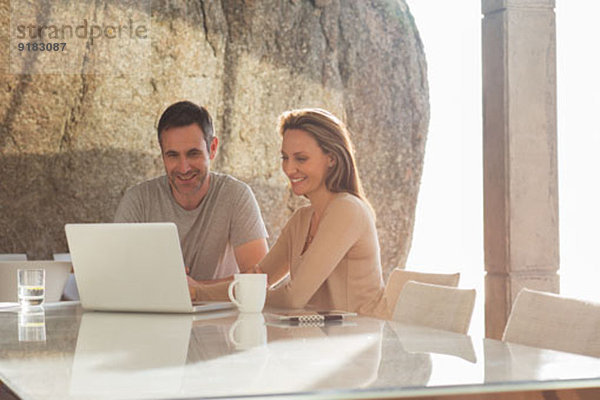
448,232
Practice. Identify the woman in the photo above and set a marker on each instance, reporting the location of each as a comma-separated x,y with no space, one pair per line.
329,248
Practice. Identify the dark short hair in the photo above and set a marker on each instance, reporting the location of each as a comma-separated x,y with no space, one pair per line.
186,113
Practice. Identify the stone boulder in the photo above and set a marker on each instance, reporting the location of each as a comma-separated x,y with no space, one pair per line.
73,140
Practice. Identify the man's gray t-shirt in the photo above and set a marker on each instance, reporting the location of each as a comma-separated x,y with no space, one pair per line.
228,216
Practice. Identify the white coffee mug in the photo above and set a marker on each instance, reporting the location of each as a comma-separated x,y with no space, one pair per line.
248,331
250,292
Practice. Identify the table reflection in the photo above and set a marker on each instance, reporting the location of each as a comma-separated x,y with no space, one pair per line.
337,354
249,330
296,358
113,350
399,366
32,324
417,339
127,355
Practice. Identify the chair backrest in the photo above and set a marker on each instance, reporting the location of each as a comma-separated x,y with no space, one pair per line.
399,277
546,320
13,257
62,257
435,306
70,292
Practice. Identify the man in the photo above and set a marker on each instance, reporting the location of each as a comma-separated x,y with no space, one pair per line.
219,223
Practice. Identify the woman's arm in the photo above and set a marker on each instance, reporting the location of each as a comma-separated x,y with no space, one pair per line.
276,264
341,225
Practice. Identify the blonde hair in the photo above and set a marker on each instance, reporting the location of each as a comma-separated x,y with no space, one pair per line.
333,138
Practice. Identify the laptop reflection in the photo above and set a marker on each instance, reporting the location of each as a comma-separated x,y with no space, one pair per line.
117,354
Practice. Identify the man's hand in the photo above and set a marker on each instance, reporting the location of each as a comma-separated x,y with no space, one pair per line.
249,254
255,269
192,286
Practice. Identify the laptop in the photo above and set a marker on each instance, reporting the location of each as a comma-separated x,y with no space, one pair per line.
132,267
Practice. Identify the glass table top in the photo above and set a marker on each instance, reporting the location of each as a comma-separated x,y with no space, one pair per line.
64,352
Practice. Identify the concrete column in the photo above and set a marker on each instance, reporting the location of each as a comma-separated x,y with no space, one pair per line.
519,153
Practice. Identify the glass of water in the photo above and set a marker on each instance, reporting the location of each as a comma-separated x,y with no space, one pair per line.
31,287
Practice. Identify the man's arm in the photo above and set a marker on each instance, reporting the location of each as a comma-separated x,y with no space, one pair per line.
248,233
249,254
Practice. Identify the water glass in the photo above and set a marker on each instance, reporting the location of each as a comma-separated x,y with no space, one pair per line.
31,287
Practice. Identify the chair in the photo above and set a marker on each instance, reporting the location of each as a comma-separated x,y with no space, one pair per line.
435,306
399,277
547,320
71,292
62,257
13,257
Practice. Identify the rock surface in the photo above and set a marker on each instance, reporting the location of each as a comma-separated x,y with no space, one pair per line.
71,143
